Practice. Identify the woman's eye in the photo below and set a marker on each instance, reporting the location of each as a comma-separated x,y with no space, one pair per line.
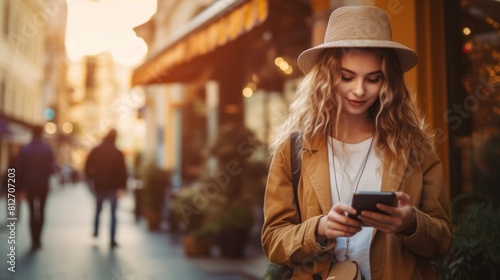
374,80
347,79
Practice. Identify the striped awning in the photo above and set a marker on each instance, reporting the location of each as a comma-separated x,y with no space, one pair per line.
220,24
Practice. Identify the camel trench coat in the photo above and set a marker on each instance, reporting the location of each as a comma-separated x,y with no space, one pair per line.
288,241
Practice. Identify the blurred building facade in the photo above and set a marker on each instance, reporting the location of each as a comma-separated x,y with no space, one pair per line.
56,102
93,89
76,100
32,66
203,54
164,104
99,99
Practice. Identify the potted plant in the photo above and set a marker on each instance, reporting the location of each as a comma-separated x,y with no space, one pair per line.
234,183
190,208
231,222
475,247
155,186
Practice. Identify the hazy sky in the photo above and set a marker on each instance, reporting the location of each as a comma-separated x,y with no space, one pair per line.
107,25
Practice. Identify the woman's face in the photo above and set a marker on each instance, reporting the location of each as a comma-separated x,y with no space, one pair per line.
361,81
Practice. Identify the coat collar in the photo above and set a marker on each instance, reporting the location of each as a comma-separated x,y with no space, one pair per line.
315,165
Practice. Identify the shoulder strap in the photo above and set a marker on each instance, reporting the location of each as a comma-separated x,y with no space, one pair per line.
295,147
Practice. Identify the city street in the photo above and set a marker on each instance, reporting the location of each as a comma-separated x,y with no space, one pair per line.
193,104
70,252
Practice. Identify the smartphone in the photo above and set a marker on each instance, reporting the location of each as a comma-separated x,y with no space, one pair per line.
364,200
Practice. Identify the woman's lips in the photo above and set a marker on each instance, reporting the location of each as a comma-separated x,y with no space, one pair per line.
356,103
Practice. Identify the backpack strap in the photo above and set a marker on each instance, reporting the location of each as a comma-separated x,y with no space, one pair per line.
295,147
283,271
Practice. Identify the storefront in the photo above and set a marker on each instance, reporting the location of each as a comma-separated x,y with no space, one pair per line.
214,61
473,112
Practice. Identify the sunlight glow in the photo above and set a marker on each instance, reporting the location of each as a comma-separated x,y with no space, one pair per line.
107,26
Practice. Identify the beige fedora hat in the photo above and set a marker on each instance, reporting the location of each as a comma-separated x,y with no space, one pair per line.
358,27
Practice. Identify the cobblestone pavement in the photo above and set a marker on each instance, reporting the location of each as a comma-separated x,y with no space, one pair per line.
70,252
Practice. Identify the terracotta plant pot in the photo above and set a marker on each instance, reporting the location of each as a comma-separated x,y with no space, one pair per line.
153,219
196,247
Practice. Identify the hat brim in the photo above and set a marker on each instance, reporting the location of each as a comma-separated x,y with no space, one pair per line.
407,57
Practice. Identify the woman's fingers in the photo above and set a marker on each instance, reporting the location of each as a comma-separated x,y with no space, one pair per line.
342,208
381,222
403,199
338,224
397,219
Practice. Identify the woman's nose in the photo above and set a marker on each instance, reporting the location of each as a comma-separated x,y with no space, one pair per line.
358,88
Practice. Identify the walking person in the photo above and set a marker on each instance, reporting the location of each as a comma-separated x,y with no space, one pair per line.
35,164
360,130
105,167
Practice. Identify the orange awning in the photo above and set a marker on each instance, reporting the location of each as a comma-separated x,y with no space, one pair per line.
204,36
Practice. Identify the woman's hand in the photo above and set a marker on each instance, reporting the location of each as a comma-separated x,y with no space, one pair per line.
400,219
337,224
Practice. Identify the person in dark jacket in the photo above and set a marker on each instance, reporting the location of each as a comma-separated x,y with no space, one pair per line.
105,167
35,164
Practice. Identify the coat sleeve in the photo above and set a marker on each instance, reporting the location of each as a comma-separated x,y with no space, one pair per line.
52,165
285,239
21,172
89,165
432,238
122,172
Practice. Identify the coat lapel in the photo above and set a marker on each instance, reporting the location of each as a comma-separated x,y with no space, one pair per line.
393,179
315,163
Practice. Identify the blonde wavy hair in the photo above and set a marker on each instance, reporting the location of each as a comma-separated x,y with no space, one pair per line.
399,123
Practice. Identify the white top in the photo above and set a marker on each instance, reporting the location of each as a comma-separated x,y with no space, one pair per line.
349,160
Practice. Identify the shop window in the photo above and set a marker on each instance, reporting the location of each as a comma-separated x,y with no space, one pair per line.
474,107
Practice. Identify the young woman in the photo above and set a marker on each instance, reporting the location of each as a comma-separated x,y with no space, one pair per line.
361,130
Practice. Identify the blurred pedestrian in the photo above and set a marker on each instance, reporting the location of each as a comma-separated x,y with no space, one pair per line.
35,165
105,167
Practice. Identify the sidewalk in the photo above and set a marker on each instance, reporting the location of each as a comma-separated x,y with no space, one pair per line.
69,252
